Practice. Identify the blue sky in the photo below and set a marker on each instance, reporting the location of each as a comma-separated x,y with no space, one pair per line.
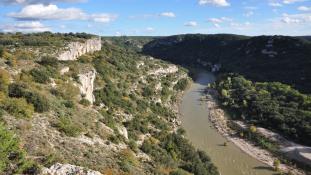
158,17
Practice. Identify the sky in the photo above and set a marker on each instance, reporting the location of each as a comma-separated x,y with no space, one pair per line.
158,17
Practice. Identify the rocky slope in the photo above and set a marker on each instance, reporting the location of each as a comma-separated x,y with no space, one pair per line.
130,128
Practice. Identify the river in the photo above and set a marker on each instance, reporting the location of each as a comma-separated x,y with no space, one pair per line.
230,160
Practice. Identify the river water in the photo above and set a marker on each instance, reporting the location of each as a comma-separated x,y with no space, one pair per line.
230,160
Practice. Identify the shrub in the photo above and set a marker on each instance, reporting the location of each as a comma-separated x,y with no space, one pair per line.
4,80
48,61
147,92
40,75
69,104
181,85
19,107
68,127
19,90
40,103
85,102
12,158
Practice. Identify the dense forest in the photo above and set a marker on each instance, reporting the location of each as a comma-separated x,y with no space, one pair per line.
271,104
263,58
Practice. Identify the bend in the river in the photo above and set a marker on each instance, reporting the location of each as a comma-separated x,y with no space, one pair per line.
230,160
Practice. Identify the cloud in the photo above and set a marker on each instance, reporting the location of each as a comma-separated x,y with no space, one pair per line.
33,26
168,14
191,24
275,4
26,2
221,3
296,18
292,1
304,8
52,12
219,20
150,29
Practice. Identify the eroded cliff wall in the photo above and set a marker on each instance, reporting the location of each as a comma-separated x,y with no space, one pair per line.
76,49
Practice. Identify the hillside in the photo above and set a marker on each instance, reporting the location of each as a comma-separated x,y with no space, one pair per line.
263,58
101,111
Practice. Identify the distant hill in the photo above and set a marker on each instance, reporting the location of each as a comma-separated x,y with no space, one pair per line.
130,42
263,58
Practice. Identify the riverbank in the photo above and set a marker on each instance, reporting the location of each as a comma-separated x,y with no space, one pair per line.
221,123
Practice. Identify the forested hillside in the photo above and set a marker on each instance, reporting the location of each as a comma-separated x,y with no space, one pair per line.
48,124
272,105
263,58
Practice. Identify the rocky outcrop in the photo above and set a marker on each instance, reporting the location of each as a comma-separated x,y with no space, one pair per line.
163,71
67,169
76,49
87,85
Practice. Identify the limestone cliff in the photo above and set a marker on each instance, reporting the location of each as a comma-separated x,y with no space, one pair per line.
76,49
87,85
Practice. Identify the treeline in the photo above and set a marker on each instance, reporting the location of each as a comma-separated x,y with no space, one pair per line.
271,104
40,39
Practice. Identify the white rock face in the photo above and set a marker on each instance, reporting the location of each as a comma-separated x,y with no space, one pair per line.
64,70
123,131
87,85
169,70
67,169
76,49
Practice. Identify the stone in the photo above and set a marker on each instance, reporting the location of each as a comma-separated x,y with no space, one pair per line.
67,169
76,49
87,85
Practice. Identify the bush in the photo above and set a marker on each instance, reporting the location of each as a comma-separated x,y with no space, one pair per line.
12,158
69,104
19,107
40,76
147,92
48,61
4,80
19,90
181,84
85,102
40,103
68,127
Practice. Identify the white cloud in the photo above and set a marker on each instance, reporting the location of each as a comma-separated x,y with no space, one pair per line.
103,18
219,20
275,4
168,14
52,12
296,18
304,8
217,25
149,29
292,1
191,24
33,26
222,3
